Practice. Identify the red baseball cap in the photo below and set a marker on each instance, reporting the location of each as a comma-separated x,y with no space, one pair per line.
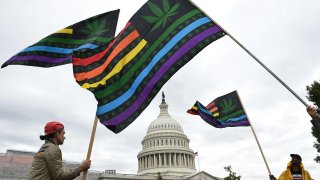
52,127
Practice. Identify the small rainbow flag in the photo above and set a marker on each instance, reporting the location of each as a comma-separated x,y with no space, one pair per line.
224,111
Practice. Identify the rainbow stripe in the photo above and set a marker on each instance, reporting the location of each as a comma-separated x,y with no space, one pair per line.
230,112
65,31
126,75
129,111
57,48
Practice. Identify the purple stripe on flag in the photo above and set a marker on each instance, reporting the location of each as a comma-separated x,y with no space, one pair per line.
39,58
210,120
164,68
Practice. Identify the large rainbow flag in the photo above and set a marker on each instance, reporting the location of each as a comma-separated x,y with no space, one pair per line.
126,75
57,48
224,111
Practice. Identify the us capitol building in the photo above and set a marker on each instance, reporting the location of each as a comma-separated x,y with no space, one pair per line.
165,155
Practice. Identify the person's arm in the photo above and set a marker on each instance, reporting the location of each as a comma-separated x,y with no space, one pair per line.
272,177
85,165
313,112
53,158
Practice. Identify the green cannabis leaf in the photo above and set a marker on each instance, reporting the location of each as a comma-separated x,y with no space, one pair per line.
161,15
95,28
227,106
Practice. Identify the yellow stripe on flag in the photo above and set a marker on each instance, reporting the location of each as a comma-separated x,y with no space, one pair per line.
65,31
125,60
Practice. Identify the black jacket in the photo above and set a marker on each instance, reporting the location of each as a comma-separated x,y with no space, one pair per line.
316,122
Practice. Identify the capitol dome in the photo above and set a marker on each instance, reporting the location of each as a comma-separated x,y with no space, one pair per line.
165,148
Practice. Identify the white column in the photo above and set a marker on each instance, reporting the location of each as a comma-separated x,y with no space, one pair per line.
175,159
147,161
183,159
194,162
187,160
156,161
165,159
139,164
142,163
170,160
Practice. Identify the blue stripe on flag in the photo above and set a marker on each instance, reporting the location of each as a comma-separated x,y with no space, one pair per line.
58,50
123,98
234,119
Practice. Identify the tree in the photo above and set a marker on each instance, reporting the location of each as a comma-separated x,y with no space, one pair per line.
159,177
232,175
314,96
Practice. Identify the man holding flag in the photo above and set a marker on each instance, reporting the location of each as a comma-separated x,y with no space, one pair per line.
47,162
295,170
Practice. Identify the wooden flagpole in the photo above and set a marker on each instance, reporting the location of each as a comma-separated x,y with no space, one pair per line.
93,133
255,136
254,57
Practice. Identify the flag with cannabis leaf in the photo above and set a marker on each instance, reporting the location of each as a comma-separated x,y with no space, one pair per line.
56,49
160,38
224,111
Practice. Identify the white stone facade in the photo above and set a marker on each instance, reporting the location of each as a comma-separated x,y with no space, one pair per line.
165,148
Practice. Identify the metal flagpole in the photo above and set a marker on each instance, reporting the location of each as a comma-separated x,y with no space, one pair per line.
255,136
198,162
254,57
200,175
93,133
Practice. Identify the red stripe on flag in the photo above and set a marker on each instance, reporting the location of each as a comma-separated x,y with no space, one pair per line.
96,57
122,45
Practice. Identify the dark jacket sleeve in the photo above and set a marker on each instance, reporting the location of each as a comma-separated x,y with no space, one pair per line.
53,158
316,122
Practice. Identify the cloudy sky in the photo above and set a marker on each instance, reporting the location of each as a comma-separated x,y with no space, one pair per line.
284,35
